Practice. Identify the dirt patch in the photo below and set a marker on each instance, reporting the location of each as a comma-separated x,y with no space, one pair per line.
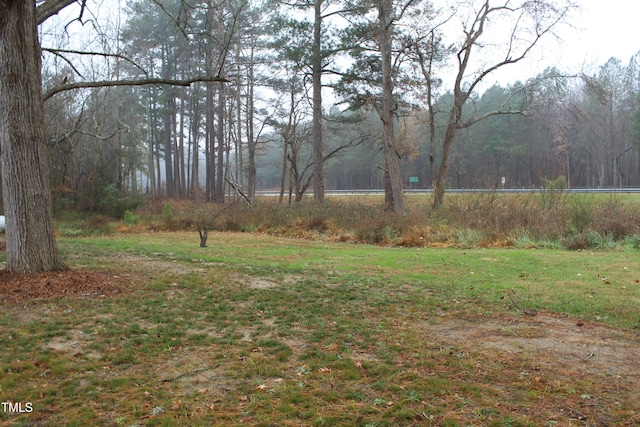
549,341
258,283
75,344
20,288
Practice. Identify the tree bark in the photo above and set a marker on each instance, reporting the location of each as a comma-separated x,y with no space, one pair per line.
167,117
210,165
318,161
30,242
440,183
49,8
395,198
195,126
219,192
251,142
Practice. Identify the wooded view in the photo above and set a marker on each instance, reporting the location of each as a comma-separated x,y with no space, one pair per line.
256,128
216,100
128,130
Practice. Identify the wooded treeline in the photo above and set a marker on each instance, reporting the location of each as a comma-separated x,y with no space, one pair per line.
258,126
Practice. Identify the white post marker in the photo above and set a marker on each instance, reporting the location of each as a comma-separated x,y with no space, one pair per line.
1,222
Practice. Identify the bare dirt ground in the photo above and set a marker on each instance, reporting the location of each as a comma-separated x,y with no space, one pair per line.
576,347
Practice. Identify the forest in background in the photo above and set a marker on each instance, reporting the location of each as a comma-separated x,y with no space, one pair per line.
254,130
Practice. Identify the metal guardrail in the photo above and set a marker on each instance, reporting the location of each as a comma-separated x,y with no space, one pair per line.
426,191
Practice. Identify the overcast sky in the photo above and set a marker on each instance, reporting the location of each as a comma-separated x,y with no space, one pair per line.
598,30
605,28
601,29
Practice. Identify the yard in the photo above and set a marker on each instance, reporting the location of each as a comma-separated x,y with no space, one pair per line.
150,329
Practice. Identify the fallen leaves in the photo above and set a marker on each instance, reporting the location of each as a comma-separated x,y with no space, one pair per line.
15,287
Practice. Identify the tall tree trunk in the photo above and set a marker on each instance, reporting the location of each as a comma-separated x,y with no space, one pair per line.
440,183
318,160
426,66
151,186
167,118
179,158
238,147
209,144
219,197
283,175
158,170
195,180
30,242
395,198
168,146
251,143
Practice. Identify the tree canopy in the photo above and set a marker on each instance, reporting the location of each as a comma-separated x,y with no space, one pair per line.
215,100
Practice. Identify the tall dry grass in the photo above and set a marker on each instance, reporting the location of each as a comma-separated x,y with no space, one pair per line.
575,221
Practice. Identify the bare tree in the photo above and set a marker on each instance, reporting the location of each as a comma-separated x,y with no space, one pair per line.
531,21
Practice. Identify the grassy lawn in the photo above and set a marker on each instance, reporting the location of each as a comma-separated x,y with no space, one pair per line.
261,330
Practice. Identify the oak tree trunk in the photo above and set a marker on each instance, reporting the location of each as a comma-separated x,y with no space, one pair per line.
30,242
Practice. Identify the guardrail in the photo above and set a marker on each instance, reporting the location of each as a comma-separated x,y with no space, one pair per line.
426,191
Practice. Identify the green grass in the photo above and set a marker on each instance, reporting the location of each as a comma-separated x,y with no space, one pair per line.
260,330
582,283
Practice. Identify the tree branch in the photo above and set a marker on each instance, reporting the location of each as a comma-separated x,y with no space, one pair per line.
475,120
141,82
59,52
508,59
49,8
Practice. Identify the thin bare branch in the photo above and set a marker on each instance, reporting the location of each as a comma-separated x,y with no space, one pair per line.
139,82
60,52
65,59
475,120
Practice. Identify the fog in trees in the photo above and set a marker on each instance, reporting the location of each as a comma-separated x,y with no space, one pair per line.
212,101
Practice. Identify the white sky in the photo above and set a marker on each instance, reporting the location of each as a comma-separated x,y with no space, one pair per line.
601,29
604,29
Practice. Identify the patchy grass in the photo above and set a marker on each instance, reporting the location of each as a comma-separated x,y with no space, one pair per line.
259,330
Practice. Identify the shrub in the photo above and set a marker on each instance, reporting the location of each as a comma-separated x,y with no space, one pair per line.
167,211
114,203
98,221
131,218
552,192
580,212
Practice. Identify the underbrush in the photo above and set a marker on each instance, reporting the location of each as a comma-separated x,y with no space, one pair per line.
573,221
